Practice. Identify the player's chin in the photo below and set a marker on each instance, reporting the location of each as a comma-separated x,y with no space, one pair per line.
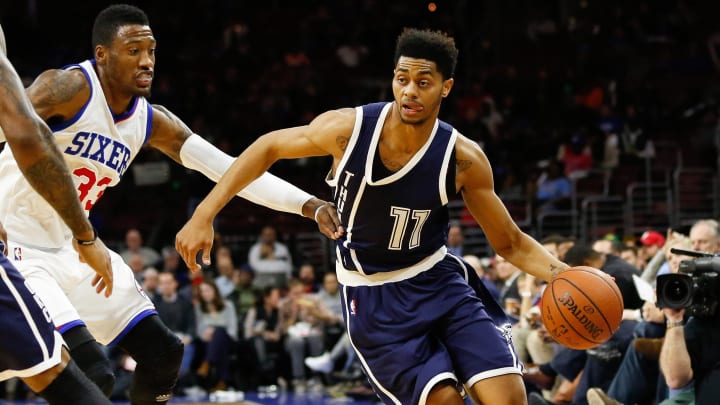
412,120
143,91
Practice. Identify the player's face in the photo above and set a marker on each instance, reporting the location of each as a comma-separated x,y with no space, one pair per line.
130,60
418,88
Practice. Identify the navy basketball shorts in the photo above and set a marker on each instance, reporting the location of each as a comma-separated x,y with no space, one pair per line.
410,334
29,343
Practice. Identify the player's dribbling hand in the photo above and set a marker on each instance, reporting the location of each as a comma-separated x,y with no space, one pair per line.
195,236
97,257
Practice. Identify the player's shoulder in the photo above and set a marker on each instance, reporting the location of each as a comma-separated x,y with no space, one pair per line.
468,153
466,147
57,86
339,120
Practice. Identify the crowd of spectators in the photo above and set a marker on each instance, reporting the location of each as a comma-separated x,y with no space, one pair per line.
603,78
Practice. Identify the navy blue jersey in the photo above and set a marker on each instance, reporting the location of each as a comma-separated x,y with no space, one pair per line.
393,220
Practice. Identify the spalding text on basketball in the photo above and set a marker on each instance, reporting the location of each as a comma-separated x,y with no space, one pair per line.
580,314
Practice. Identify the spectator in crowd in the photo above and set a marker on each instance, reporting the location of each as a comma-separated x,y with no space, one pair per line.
508,275
479,268
174,264
576,157
630,255
329,295
610,126
621,271
302,320
651,242
705,236
150,281
270,259
217,328
224,267
552,190
137,265
134,245
335,334
634,138
455,240
306,274
558,245
244,295
177,313
263,329
607,245
660,263
529,321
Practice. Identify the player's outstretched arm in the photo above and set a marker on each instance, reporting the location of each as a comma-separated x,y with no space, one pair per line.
42,164
475,181
325,135
171,136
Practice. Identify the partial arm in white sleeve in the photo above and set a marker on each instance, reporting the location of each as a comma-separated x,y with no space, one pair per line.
267,190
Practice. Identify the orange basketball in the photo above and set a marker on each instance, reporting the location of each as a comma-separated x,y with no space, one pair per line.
582,307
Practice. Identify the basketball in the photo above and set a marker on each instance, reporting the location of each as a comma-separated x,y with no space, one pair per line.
582,307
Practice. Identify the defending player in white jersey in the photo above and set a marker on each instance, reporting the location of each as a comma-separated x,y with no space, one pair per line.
100,118
30,348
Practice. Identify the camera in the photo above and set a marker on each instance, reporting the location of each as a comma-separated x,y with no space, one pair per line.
696,287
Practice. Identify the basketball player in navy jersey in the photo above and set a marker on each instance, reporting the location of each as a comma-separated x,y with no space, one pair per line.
101,119
418,319
30,348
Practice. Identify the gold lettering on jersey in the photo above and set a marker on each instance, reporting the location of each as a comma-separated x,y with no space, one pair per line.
342,195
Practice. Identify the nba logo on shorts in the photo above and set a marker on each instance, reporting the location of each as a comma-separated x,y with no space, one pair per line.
17,253
353,307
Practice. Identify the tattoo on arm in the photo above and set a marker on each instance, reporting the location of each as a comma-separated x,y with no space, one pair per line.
342,142
58,89
463,165
169,132
554,269
51,179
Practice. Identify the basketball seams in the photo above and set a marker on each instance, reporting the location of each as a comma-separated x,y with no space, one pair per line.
567,321
592,292
597,308
607,282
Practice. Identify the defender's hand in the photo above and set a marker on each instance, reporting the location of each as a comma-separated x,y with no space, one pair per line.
96,256
195,236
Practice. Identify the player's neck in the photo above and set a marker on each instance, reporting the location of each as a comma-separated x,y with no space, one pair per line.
118,101
413,136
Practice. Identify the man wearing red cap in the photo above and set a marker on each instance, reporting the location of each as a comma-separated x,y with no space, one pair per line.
652,242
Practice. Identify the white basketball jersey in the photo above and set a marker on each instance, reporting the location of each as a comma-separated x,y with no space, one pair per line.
97,145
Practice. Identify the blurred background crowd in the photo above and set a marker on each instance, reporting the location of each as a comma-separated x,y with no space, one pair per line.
601,120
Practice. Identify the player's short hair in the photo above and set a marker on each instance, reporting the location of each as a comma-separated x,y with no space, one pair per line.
108,22
434,46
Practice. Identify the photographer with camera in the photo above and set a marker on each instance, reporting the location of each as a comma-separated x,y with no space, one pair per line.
690,353
639,379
